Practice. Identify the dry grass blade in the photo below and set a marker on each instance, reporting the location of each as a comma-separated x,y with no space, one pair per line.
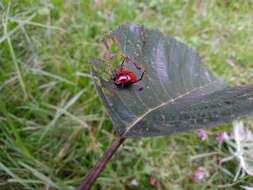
61,111
11,49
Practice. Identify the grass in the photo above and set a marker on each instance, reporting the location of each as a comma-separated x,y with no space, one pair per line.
53,127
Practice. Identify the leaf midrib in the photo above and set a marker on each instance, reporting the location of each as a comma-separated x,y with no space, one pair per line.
138,119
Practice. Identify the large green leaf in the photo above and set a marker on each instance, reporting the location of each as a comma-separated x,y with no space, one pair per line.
179,93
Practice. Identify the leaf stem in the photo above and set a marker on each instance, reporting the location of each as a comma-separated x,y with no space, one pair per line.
97,169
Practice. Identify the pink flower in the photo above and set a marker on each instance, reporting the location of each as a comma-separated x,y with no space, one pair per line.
198,175
202,134
219,137
134,182
153,181
248,188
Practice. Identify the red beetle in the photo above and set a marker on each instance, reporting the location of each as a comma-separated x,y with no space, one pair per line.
123,77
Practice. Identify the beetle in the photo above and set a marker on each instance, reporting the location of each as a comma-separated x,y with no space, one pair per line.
123,77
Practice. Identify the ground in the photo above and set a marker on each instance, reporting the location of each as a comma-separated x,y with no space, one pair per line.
53,127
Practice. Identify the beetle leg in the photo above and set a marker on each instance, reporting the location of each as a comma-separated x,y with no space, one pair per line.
142,74
141,68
